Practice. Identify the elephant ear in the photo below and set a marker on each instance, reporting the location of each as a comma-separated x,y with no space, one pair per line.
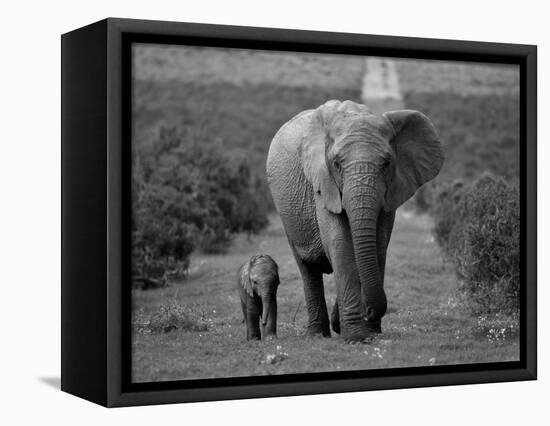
245,280
277,281
314,145
418,152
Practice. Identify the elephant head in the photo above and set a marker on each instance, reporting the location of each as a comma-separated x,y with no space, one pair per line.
360,165
260,279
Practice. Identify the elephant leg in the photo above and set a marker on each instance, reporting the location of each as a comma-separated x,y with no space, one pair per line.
315,299
335,318
347,318
243,308
253,314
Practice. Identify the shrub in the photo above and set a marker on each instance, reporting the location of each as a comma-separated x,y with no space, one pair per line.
187,194
443,203
486,243
161,243
245,116
170,317
478,228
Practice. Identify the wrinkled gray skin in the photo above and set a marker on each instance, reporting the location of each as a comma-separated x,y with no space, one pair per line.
337,175
257,282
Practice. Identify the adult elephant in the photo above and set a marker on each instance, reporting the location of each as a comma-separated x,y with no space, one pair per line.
337,174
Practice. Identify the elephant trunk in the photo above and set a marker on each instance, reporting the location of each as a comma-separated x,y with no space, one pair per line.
363,207
265,313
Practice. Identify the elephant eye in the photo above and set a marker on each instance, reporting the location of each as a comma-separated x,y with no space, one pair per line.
337,164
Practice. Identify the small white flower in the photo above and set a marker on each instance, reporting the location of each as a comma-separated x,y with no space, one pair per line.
270,359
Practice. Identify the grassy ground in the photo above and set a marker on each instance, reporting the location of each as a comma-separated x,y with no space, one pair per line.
425,324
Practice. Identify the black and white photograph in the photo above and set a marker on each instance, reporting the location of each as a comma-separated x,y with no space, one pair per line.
298,212
321,213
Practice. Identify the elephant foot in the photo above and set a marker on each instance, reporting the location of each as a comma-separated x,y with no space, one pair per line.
374,326
318,330
356,336
254,338
362,333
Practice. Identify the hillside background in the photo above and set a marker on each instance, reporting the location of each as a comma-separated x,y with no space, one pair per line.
242,97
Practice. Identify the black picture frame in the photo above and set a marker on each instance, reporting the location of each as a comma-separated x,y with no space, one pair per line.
96,131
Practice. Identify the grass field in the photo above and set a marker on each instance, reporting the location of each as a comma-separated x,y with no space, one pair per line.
425,325
244,67
460,78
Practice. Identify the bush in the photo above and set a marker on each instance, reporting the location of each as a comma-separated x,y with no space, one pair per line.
245,117
187,194
478,228
161,242
443,201
170,317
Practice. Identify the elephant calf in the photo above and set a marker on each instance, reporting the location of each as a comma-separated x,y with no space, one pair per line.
257,282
